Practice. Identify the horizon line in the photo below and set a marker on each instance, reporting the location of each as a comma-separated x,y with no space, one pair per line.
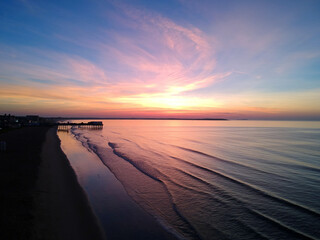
198,119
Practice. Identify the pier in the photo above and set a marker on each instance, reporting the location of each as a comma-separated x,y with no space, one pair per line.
94,125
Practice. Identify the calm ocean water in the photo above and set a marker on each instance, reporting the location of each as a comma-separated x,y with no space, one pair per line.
217,179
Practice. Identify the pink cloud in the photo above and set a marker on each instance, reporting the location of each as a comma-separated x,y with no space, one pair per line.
87,71
162,55
163,59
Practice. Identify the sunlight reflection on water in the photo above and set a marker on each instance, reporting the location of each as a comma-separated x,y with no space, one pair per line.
218,179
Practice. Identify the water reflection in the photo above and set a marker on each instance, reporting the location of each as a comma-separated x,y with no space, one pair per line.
216,180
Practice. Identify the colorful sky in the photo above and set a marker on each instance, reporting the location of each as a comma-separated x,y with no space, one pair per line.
169,58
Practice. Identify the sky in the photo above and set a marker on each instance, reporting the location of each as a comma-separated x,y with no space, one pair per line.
169,58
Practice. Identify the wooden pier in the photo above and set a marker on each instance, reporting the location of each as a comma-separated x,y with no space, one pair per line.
65,126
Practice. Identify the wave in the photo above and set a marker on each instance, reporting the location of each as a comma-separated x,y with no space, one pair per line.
92,147
289,161
216,193
294,166
223,160
115,132
228,161
81,138
138,166
283,227
223,194
243,184
212,198
253,188
114,146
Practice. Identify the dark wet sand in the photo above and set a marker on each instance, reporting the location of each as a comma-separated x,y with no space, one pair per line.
62,207
121,217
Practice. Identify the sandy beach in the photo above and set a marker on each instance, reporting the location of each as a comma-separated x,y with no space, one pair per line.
18,176
40,195
62,208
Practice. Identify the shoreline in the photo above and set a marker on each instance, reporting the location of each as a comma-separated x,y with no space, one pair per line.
119,214
43,196
62,209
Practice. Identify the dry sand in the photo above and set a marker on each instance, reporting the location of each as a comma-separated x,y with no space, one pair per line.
18,176
62,208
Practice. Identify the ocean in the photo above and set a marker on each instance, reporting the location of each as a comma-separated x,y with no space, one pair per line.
203,179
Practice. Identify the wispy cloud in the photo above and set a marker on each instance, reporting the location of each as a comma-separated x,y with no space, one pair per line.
166,57
159,58
127,57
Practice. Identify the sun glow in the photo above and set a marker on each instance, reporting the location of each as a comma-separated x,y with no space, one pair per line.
133,60
172,102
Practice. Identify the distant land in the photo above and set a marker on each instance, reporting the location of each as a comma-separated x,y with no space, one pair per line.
90,118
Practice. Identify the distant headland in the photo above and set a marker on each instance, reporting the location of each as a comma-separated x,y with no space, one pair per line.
11,121
141,118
